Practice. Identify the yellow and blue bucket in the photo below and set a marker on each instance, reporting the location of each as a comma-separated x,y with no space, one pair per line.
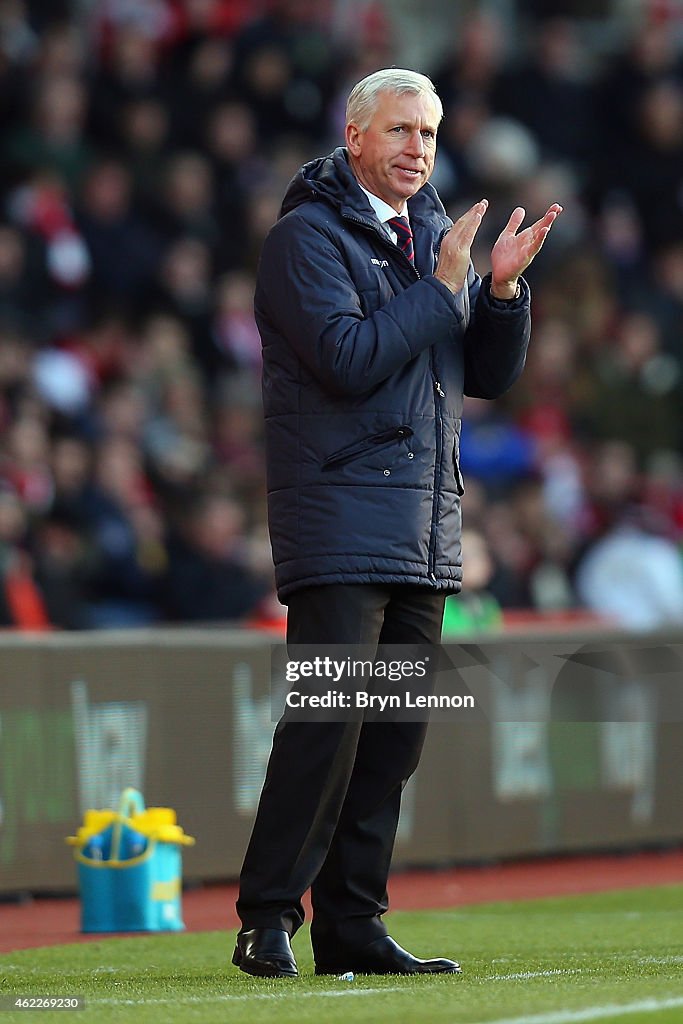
130,867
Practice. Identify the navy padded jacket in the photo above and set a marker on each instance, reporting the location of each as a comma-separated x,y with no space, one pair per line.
365,361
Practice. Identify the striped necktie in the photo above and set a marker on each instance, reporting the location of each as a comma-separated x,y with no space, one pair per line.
404,236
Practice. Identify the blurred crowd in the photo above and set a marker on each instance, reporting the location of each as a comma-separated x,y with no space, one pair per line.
146,145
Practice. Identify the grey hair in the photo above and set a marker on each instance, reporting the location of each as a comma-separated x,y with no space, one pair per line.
363,98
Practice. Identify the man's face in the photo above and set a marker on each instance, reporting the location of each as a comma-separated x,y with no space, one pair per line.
395,156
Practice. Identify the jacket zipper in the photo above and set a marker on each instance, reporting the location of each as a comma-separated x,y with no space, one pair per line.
437,250
439,393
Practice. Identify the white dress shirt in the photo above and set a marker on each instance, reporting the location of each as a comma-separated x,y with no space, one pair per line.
385,212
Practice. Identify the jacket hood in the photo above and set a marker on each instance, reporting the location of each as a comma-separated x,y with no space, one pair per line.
327,177
331,179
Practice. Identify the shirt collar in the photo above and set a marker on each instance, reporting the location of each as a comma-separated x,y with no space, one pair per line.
383,210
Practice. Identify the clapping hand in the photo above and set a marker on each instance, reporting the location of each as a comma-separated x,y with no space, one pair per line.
454,258
513,252
510,256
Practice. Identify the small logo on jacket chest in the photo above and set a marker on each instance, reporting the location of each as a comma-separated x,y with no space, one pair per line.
379,263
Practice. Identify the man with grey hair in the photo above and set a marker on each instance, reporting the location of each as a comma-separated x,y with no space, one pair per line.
374,324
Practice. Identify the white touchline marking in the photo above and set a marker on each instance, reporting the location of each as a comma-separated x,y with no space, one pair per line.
527,975
227,998
660,959
590,1013
593,1012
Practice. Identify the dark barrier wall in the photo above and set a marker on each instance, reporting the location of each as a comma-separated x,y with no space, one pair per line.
185,717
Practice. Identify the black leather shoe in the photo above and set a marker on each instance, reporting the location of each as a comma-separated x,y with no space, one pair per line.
265,953
382,956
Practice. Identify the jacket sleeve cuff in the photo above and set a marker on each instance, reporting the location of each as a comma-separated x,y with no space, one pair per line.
453,300
505,305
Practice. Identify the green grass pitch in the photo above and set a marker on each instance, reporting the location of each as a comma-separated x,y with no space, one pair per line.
615,957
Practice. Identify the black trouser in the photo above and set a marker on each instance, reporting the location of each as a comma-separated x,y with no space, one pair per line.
329,808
